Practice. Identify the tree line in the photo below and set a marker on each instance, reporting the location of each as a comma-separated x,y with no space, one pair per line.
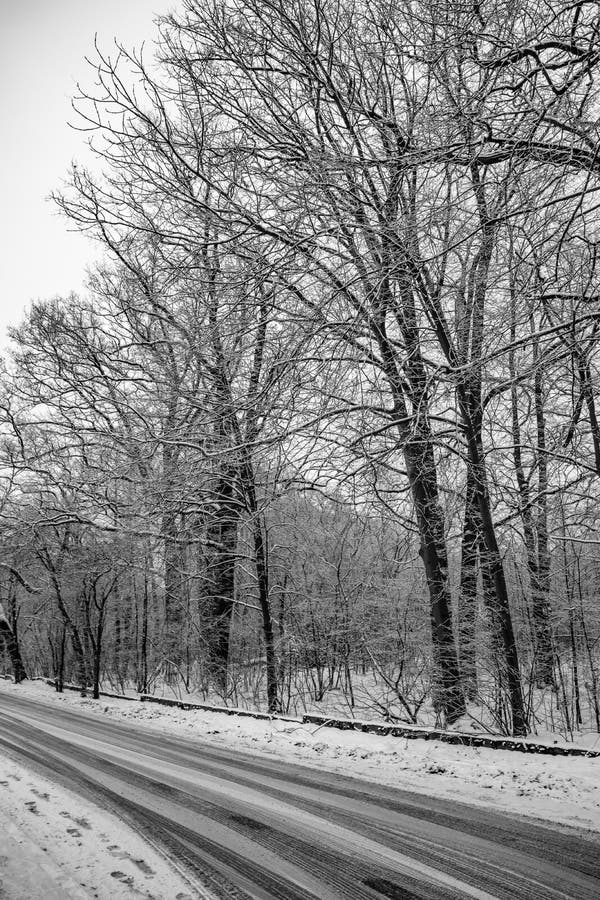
325,419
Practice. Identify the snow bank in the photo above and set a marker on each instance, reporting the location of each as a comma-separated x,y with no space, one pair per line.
56,846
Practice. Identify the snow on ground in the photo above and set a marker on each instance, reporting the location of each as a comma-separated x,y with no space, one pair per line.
374,700
56,846
561,790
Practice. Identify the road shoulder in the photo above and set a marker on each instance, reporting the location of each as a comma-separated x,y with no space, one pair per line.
56,846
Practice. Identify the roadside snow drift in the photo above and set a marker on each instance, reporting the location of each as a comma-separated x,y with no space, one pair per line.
56,846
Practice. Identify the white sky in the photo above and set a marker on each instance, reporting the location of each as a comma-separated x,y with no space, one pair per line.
42,48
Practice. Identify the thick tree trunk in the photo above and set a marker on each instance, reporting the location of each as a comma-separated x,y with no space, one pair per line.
470,322
448,697
262,577
502,613
9,637
219,594
504,623
469,398
417,448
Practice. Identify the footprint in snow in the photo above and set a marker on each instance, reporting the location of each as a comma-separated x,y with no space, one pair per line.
83,823
74,831
143,866
115,850
32,807
122,877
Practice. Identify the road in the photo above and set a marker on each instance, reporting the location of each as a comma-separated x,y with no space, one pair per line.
252,828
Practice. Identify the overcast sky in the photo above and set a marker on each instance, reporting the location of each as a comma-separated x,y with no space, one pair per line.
42,48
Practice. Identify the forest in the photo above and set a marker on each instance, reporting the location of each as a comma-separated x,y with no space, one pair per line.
322,432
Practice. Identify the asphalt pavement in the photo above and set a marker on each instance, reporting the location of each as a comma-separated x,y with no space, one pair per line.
250,827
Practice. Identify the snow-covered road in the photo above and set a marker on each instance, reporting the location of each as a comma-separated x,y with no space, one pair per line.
248,827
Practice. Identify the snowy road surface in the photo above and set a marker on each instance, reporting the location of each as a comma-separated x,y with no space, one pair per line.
248,828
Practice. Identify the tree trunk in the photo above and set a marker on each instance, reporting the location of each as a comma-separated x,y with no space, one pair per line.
467,600
220,574
471,321
448,697
60,672
419,459
587,391
502,605
544,655
81,668
142,679
175,589
9,637
175,593
80,664
97,657
262,574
